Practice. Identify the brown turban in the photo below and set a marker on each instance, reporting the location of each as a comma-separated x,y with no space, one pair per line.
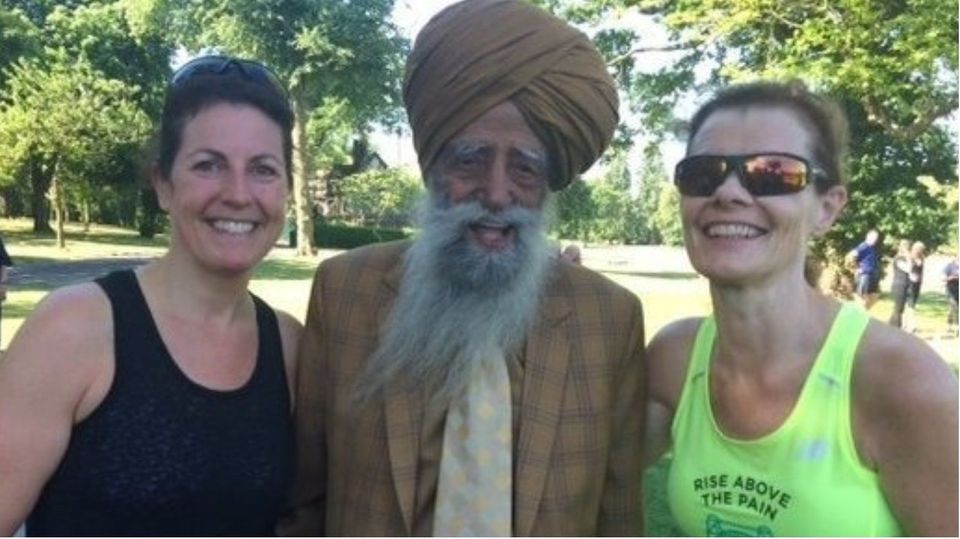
476,54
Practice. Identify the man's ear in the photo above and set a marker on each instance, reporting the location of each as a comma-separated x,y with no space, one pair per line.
162,187
831,204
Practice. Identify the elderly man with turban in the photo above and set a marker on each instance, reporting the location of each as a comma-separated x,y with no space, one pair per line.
472,382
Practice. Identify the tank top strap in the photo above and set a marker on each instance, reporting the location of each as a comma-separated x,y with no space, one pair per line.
270,349
123,291
703,345
835,360
696,368
133,325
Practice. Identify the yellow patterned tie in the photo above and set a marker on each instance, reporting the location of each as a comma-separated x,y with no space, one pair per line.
474,494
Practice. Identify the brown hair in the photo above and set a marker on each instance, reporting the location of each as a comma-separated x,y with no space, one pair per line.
185,100
823,116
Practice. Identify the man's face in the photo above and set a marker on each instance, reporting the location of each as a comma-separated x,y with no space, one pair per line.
498,162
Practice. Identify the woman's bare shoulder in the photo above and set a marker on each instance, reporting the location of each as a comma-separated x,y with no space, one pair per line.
65,323
668,355
63,350
893,365
898,378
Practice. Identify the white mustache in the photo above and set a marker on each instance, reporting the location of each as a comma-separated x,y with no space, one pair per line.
459,305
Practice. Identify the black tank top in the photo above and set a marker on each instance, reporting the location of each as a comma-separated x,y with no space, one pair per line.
163,455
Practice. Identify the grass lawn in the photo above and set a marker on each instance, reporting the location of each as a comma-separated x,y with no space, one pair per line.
660,276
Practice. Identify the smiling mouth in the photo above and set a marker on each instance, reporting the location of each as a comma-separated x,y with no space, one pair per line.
733,231
492,236
233,227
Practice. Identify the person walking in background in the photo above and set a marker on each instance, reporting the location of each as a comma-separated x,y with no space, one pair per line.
867,258
914,283
789,413
900,282
156,401
5,264
950,276
472,382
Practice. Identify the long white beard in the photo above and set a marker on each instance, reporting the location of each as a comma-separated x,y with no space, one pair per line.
459,305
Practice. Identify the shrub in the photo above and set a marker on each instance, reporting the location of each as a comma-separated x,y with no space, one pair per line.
380,198
337,236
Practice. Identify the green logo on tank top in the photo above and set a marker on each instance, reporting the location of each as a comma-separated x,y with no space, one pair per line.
717,527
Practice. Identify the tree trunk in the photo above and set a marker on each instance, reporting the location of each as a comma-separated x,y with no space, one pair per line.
302,175
148,219
40,177
58,209
85,214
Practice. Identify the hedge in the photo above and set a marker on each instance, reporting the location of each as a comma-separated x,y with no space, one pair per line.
335,236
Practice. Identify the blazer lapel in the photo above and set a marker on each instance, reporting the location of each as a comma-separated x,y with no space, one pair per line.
403,411
545,371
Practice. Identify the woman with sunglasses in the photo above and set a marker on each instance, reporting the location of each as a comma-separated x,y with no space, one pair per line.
786,411
156,401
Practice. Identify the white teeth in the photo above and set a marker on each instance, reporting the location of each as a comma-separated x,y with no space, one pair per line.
233,227
732,230
490,224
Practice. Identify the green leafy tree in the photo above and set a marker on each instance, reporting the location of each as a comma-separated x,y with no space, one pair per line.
60,117
892,63
613,205
667,215
619,216
384,198
575,211
652,178
19,38
121,41
343,58
124,40
610,209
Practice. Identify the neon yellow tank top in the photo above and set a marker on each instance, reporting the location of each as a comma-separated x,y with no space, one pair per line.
802,479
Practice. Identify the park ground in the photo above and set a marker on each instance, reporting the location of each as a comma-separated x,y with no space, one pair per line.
661,276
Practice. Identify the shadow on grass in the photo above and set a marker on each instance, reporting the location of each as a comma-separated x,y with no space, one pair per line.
933,305
671,275
126,238
13,308
285,270
29,287
119,239
26,236
27,260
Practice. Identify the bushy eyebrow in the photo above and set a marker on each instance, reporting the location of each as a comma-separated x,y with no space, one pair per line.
468,148
534,158
464,148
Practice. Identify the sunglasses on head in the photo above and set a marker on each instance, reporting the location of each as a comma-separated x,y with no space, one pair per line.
226,65
761,174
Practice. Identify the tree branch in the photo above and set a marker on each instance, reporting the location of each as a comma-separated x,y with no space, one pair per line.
877,115
640,50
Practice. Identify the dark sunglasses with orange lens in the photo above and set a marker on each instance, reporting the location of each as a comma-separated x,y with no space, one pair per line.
761,174
226,65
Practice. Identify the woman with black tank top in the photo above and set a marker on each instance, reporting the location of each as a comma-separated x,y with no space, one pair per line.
157,401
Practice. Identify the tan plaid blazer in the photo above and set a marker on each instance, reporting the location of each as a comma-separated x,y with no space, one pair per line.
577,465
